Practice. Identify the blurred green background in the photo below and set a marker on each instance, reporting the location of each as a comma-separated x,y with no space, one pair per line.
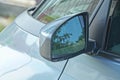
9,9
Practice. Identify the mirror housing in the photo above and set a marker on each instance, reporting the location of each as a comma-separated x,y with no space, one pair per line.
64,38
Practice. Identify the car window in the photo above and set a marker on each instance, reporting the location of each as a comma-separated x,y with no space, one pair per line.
59,8
113,44
112,7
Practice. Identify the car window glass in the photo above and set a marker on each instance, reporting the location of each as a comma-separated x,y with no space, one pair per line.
113,44
59,8
112,7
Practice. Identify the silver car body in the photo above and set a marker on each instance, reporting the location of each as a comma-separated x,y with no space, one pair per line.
20,58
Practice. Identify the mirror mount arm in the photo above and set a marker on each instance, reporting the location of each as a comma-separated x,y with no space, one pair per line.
92,47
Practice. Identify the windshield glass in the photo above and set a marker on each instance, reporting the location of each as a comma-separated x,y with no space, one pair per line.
53,9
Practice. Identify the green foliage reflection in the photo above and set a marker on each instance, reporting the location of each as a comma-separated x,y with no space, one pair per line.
69,38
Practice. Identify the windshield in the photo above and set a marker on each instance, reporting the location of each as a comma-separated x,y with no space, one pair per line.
50,10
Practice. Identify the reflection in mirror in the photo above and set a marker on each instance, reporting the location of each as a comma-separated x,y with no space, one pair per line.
69,38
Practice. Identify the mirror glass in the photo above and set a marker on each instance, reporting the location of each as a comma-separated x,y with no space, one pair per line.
69,38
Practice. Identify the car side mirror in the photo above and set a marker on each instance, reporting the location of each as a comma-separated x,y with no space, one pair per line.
65,38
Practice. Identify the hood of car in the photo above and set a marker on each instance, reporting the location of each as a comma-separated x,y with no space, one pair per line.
16,65
11,60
